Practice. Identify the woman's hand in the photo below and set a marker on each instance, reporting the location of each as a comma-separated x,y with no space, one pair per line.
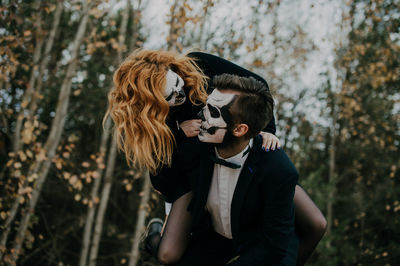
191,128
270,141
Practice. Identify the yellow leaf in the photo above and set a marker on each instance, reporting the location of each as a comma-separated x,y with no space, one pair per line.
17,165
36,123
73,180
27,135
24,104
85,164
99,160
73,138
95,174
66,175
78,185
59,164
128,187
29,153
33,177
77,197
9,163
41,156
28,124
22,156
3,215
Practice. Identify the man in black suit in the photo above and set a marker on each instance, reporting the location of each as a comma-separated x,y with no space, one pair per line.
242,208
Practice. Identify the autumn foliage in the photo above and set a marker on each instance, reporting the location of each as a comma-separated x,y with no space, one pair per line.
68,198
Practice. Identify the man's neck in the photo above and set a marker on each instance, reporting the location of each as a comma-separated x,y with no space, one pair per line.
227,151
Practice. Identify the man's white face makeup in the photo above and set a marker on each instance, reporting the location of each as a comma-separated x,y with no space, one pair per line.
173,92
215,116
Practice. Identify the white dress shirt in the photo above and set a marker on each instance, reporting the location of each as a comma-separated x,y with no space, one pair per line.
222,187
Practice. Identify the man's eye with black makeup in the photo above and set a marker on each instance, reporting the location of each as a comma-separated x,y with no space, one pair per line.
213,111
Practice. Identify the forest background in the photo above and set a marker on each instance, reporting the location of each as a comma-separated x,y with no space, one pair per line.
67,196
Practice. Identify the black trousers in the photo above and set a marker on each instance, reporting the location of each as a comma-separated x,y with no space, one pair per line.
210,249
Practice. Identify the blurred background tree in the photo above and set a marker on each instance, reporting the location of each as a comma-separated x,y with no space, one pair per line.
67,196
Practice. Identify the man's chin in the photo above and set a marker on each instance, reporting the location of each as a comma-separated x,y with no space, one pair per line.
206,138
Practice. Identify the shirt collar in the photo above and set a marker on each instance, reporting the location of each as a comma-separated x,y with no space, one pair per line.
239,158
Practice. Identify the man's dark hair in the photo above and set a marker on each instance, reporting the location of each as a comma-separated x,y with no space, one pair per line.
254,106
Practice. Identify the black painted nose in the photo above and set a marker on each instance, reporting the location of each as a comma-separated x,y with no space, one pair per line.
201,115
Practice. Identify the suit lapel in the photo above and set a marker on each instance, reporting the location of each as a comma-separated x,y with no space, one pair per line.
206,173
203,182
245,178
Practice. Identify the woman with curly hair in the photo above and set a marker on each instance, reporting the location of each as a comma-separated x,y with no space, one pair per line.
152,114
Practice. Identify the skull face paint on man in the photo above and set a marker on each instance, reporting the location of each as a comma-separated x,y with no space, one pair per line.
173,92
215,117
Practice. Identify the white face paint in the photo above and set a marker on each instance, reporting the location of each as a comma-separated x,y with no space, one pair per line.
214,125
173,92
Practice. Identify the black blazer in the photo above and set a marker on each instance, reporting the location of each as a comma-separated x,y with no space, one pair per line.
262,211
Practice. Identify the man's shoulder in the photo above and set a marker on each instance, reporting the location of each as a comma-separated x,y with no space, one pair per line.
277,163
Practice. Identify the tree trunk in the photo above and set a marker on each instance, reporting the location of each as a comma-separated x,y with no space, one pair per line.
87,232
7,227
134,30
105,194
124,29
34,74
29,94
202,46
55,131
172,26
72,228
103,150
19,239
332,170
140,221
46,57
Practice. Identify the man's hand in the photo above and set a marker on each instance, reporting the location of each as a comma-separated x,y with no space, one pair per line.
191,128
270,141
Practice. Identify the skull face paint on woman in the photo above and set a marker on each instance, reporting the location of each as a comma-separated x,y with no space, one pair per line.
173,92
216,117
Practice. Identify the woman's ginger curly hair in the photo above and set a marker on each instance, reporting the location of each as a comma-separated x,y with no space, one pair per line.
139,110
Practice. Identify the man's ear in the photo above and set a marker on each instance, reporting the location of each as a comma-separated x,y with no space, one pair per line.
240,130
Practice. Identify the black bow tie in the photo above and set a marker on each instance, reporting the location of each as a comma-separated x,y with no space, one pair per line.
224,163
